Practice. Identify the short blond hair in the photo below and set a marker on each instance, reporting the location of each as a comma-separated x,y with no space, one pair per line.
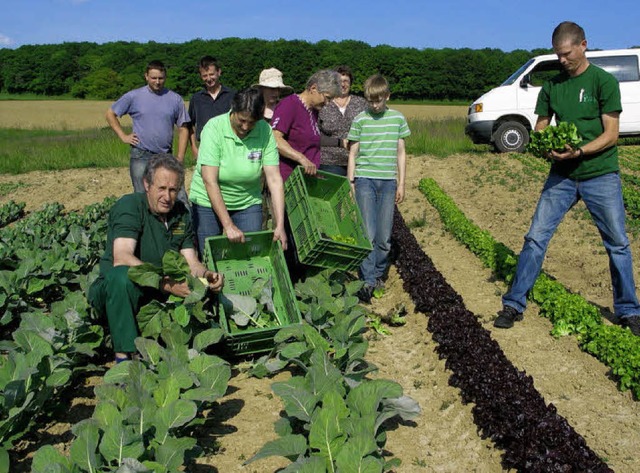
376,87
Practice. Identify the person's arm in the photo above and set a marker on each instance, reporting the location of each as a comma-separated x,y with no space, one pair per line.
193,142
276,189
114,123
124,252
402,168
286,150
542,123
183,140
210,179
198,270
351,164
608,138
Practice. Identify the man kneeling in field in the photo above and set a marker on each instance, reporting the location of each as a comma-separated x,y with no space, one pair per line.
142,227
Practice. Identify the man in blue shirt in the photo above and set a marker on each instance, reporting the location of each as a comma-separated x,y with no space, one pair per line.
154,111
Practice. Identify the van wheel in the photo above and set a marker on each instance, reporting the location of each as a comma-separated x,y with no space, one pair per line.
511,137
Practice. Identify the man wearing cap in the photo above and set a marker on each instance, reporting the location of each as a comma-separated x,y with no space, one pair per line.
272,86
215,99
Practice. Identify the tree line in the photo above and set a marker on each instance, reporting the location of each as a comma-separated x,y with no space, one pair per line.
106,71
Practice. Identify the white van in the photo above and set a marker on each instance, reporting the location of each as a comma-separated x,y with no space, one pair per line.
504,115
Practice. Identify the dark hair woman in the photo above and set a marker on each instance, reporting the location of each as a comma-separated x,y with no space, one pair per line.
235,149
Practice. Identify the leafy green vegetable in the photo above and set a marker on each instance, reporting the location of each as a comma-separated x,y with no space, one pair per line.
334,413
553,138
256,308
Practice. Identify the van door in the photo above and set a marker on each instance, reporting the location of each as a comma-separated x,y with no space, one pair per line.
626,70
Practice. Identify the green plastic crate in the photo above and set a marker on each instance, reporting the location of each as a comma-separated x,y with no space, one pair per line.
242,264
319,207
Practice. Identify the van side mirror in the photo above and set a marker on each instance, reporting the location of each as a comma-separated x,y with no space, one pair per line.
526,81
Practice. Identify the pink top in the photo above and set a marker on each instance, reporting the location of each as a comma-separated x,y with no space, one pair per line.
299,125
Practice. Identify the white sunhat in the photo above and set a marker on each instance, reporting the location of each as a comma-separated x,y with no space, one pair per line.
272,78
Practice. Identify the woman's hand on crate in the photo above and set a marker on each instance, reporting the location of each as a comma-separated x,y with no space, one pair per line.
309,167
234,234
280,235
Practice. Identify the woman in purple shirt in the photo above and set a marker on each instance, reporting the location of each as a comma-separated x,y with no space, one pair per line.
295,123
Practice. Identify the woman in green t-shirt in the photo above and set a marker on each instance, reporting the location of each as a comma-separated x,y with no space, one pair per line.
235,150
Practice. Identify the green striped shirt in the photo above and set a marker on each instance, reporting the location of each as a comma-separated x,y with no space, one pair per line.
378,136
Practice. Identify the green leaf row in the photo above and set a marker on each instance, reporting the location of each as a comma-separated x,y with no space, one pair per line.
570,313
334,412
44,256
148,407
49,333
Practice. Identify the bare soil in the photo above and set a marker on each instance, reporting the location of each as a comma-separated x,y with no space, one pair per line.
497,193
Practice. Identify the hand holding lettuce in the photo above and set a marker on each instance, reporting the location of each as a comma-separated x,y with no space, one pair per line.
553,138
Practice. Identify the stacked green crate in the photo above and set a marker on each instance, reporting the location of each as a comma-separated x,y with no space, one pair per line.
327,226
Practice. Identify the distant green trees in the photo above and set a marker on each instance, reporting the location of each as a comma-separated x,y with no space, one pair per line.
106,71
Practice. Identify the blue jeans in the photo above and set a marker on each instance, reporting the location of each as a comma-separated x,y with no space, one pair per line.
206,223
137,165
603,197
376,199
334,168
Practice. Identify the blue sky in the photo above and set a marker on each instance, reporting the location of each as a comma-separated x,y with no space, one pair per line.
476,24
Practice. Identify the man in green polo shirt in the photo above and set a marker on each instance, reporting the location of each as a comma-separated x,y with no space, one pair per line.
589,97
142,227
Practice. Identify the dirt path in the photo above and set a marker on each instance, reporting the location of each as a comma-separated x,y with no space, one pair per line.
499,196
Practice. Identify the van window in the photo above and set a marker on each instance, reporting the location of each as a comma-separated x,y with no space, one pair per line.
512,78
543,72
623,68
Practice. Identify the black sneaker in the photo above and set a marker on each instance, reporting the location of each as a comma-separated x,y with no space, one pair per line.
365,294
632,323
507,316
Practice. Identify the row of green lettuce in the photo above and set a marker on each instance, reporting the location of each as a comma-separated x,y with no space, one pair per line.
570,313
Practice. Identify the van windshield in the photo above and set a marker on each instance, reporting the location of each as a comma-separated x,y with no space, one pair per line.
512,78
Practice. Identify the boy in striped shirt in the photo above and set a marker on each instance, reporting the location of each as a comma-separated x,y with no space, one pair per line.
376,171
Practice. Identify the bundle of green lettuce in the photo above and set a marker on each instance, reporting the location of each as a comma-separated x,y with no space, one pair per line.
553,138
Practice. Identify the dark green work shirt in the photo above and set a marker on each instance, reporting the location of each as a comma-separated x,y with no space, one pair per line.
130,217
583,100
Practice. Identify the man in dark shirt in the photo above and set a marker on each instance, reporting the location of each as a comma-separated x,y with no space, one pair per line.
589,97
142,227
215,99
